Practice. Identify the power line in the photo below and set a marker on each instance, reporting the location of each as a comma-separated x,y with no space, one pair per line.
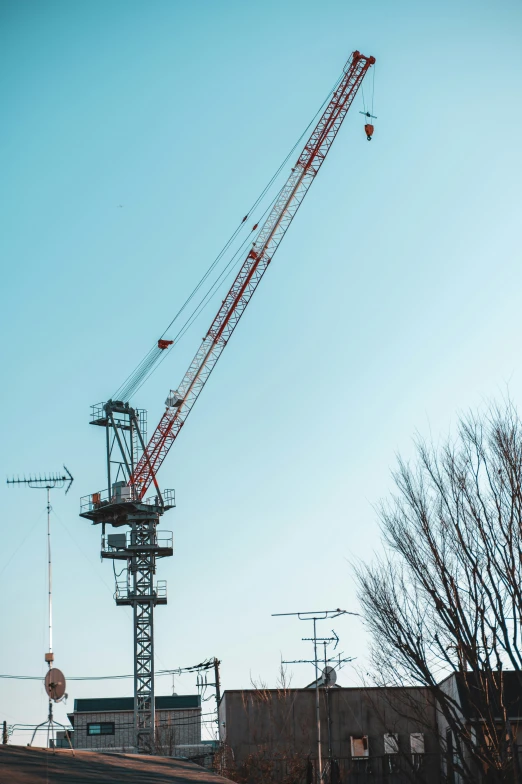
185,722
177,671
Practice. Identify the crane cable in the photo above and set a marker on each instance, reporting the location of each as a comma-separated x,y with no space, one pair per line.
365,109
143,370
373,85
203,304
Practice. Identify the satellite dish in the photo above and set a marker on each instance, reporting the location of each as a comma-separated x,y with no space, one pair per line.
329,676
55,684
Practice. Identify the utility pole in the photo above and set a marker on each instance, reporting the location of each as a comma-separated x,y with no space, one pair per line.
314,616
217,683
4,733
328,716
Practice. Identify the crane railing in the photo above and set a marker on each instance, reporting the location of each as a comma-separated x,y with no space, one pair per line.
95,501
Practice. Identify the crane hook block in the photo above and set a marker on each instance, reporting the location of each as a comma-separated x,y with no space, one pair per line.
163,344
368,129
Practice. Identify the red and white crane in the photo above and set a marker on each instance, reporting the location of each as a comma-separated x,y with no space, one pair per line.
132,466
181,401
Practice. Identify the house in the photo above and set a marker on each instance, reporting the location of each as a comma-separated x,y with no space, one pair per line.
476,697
107,724
368,732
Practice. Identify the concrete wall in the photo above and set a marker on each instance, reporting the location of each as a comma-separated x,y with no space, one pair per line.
277,722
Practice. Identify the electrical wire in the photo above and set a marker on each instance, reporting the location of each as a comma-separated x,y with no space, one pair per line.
24,540
206,665
175,724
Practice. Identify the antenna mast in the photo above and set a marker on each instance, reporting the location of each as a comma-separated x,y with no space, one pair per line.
314,616
54,680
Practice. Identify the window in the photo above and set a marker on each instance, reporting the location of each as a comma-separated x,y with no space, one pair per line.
101,728
417,742
359,746
391,750
391,743
417,750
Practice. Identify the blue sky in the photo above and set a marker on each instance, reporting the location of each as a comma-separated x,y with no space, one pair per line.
393,303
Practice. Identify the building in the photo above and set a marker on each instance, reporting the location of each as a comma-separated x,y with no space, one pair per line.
23,765
501,703
107,724
369,734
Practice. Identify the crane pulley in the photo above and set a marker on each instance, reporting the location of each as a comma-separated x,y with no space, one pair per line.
180,402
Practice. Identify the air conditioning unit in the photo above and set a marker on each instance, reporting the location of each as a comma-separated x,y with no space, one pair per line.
117,541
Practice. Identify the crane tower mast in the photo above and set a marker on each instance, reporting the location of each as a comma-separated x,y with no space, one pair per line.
132,466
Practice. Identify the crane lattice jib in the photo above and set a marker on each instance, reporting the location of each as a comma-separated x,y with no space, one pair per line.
266,243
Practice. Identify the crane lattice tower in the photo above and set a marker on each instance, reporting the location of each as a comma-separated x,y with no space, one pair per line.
132,466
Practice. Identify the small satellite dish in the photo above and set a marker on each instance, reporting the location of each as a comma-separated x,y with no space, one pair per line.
55,684
329,676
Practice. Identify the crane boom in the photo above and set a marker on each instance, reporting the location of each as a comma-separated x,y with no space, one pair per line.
255,265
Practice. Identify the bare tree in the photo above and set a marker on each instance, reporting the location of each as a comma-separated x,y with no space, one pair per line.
446,598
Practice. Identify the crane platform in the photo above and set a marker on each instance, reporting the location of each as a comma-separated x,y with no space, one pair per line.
121,547
118,506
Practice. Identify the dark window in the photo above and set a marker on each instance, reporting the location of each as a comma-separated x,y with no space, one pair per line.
101,728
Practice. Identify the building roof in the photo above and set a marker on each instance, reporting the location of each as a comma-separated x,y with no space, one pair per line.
112,704
23,765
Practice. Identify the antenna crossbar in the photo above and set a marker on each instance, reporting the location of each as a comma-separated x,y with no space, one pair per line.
45,482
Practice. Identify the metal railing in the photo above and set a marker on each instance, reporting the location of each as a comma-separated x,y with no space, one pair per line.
162,539
169,497
124,591
125,494
97,411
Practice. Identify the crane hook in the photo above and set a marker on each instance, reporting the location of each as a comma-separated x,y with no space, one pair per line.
368,128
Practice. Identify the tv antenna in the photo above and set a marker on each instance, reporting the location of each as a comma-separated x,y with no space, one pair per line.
54,681
314,616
